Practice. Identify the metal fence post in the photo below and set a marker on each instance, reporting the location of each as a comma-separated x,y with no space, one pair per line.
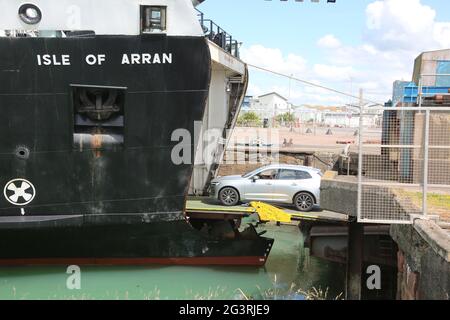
425,163
419,92
360,154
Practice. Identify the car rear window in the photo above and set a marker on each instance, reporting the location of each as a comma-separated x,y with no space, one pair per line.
303,175
286,174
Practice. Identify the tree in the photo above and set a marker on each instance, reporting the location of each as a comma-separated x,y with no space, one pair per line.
285,117
249,118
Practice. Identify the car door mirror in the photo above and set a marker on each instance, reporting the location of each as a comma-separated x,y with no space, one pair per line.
255,178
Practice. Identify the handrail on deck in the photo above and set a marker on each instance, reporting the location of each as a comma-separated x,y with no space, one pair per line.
218,35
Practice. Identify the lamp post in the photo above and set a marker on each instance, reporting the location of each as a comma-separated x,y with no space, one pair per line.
290,105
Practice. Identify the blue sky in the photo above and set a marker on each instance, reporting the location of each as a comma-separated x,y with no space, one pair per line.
346,45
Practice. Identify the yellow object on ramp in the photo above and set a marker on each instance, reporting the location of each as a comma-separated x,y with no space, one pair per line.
267,212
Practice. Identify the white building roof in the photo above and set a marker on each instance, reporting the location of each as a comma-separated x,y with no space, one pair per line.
273,94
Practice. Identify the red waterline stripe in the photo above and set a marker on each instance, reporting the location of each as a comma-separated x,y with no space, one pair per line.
193,261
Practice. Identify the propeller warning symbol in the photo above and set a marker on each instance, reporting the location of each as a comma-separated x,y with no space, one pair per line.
19,192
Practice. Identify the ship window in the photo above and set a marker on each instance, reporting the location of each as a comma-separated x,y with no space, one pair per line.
30,14
98,116
153,19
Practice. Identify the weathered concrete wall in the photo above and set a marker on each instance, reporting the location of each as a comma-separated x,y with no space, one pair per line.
339,196
423,267
237,162
439,159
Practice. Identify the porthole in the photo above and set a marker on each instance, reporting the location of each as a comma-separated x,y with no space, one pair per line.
30,14
22,152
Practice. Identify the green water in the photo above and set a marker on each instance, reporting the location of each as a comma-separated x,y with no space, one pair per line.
288,265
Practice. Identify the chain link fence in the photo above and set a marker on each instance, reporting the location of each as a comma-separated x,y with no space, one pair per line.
404,167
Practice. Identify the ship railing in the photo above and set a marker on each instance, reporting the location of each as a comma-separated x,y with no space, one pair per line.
218,35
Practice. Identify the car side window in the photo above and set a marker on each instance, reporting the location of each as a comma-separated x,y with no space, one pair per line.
286,174
268,174
301,175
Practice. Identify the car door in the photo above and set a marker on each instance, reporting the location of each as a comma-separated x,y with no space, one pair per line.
288,183
261,188
283,185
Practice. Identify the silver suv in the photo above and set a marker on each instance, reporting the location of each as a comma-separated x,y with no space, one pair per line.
281,183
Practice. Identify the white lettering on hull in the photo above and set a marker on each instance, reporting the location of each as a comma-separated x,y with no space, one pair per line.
53,60
147,58
127,59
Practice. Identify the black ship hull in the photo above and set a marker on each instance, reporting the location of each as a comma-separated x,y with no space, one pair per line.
88,123
156,242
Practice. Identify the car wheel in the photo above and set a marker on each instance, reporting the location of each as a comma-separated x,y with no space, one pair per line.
304,201
229,196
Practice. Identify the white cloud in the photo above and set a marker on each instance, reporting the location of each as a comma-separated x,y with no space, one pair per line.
396,32
335,73
273,59
329,41
254,90
441,33
404,24
370,85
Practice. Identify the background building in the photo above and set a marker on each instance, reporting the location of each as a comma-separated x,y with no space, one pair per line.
268,105
434,63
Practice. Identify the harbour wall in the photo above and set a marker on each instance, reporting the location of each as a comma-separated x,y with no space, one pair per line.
423,261
423,257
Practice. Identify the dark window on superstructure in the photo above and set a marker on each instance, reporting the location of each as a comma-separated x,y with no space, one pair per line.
153,19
